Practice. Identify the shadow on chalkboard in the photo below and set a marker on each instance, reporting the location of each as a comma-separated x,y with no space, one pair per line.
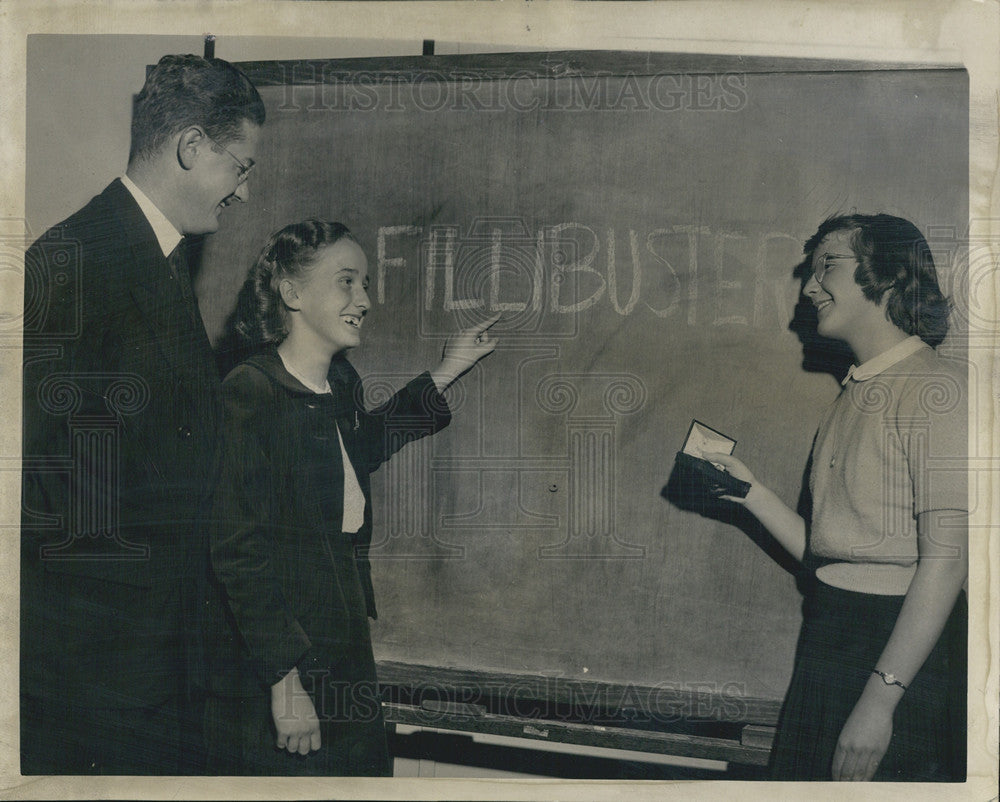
686,490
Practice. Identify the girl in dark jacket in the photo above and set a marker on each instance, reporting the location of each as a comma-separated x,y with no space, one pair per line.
293,686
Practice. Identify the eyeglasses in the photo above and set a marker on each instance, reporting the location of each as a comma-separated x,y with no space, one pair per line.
819,272
245,167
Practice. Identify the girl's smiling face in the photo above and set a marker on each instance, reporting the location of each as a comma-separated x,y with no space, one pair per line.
331,297
842,310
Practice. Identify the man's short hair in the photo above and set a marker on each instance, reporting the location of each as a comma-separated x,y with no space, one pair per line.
894,258
186,90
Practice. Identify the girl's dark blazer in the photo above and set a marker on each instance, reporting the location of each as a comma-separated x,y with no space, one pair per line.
122,413
278,549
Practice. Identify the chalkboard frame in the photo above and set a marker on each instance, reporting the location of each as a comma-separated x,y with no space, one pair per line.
637,718
545,64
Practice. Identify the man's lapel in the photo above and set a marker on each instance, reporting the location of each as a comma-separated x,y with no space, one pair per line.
160,301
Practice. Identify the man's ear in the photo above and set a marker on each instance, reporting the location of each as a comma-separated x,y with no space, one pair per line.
289,294
188,144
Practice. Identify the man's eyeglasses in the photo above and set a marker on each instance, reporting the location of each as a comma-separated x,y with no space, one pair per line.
245,167
819,272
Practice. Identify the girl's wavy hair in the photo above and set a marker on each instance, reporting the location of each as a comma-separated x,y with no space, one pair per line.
894,258
262,316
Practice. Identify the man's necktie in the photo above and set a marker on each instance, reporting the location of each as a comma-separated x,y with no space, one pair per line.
181,270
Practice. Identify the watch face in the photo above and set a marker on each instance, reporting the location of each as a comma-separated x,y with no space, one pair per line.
889,679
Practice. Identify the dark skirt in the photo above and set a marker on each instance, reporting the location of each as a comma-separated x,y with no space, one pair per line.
843,635
339,676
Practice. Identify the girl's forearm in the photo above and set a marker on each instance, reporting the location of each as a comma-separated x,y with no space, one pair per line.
940,575
786,525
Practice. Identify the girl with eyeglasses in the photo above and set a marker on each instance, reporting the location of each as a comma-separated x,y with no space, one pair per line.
878,686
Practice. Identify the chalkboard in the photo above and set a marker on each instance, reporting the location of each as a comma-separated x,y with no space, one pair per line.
639,219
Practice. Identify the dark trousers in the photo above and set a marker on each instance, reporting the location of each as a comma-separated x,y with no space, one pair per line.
161,739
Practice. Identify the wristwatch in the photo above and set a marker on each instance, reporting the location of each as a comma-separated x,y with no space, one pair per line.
889,679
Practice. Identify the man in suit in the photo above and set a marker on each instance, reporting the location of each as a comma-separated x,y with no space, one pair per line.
121,422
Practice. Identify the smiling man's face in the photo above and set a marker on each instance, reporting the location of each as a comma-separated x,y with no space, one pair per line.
219,179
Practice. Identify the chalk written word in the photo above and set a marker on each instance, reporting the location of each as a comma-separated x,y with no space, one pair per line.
687,272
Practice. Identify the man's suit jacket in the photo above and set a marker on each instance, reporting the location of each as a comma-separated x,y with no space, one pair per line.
121,419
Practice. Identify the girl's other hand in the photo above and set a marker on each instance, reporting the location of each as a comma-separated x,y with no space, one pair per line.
862,743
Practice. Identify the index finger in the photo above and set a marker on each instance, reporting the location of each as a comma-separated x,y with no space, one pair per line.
486,325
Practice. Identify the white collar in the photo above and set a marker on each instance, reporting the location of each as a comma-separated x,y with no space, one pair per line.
879,364
305,382
166,234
